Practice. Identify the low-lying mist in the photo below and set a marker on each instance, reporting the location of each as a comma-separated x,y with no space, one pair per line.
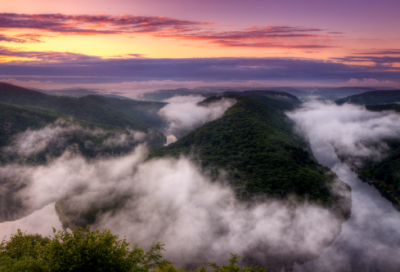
172,201
370,239
350,130
59,134
183,113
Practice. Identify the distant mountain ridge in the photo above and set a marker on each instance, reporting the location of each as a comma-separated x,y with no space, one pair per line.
92,108
372,98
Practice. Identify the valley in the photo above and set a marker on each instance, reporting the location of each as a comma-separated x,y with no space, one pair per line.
254,159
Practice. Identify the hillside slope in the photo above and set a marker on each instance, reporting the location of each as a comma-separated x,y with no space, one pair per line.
95,109
372,98
385,174
254,142
31,127
34,136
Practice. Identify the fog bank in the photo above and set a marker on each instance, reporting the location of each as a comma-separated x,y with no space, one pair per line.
370,239
349,130
170,200
183,114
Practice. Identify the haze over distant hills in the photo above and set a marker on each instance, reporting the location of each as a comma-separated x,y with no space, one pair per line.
138,115
331,93
372,98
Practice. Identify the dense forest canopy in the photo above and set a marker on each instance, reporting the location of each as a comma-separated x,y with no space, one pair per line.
255,143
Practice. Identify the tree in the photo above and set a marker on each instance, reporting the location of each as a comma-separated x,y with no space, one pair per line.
81,250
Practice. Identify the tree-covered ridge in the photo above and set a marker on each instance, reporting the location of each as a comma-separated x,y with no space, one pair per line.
385,107
15,119
386,173
278,104
255,143
97,251
90,138
95,109
35,136
372,98
145,111
275,95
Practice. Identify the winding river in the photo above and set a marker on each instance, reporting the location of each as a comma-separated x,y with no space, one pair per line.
370,239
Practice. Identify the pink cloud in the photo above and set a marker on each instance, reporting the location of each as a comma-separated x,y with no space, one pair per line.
254,36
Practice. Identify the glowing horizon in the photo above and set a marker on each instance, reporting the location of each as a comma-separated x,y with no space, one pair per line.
69,32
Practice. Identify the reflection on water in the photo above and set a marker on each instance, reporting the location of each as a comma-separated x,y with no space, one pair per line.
33,223
370,239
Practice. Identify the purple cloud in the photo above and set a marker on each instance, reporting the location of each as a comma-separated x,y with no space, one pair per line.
47,56
4,38
255,36
91,24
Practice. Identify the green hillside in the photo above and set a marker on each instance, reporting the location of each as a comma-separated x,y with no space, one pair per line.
95,109
254,142
385,107
386,173
17,119
280,97
54,133
145,111
372,98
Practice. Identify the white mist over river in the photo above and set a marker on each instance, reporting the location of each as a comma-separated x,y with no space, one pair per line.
370,239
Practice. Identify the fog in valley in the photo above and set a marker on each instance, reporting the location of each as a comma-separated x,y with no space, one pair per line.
183,114
370,239
170,200
175,202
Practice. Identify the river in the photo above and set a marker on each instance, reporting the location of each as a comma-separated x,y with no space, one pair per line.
370,239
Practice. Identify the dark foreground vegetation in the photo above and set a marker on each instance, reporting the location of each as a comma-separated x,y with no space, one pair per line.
86,250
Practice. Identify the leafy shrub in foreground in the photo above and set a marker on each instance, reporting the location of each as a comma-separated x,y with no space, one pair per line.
81,250
85,250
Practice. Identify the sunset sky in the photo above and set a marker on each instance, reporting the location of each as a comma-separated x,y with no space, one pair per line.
145,45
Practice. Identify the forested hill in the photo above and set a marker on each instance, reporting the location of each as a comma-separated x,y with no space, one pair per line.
385,107
136,115
283,97
386,173
372,98
62,131
255,143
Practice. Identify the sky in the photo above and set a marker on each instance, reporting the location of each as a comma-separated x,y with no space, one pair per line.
121,44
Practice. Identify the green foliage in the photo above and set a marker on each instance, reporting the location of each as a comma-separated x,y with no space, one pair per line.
234,267
85,250
22,244
145,111
231,267
81,250
387,171
16,119
255,143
